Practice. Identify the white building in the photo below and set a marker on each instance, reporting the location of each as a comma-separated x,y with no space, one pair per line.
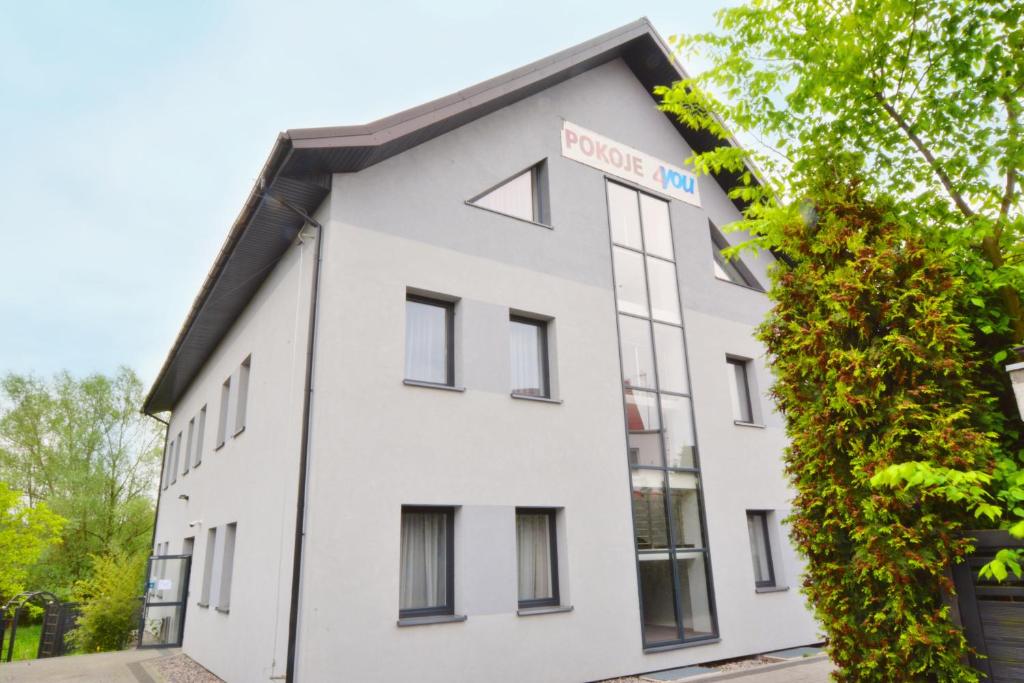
432,417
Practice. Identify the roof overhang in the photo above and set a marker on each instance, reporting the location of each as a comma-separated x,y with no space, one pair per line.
298,170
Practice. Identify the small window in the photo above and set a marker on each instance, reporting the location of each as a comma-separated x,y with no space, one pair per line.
524,196
429,351
529,346
168,456
211,546
242,401
739,389
426,581
200,431
227,566
538,558
760,549
176,458
731,270
222,423
189,445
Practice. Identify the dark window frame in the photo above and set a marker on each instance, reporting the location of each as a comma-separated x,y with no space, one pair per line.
545,361
745,396
449,334
555,600
448,609
718,243
767,549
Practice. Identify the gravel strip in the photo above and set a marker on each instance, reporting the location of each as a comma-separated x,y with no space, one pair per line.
181,668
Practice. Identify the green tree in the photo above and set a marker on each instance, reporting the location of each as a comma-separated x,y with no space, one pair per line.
109,601
25,532
82,447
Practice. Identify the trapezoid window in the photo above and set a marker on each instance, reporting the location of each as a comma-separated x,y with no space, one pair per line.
524,195
731,270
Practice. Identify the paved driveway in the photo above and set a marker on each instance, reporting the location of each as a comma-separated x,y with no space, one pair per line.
108,667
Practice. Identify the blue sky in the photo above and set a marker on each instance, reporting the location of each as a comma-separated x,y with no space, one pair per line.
132,133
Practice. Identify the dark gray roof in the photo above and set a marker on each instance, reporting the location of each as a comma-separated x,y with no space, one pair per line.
301,161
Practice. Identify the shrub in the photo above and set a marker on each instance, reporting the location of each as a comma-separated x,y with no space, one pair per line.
109,601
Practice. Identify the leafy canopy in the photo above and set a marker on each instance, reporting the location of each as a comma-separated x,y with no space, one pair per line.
25,532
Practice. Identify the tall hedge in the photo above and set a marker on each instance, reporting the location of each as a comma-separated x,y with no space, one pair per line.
875,369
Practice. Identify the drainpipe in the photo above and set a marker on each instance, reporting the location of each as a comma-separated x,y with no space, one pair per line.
307,402
1016,371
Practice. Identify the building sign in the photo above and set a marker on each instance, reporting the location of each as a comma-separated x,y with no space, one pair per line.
617,159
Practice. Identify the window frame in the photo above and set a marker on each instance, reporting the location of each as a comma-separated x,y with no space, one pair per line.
223,415
718,243
448,609
449,333
744,397
545,361
207,585
555,600
242,399
770,582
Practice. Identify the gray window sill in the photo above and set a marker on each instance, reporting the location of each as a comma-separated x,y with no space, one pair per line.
680,646
759,290
508,215
436,619
539,399
771,589
431,385
238,431
741,423
204,605
553,609
222,610
219,446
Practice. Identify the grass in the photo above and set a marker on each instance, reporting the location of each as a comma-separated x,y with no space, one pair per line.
26,642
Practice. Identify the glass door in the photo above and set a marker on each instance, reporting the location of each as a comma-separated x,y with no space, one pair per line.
163,610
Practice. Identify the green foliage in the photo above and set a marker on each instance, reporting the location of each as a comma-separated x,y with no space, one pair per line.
81,446
25,532
26,642
109,602
875,375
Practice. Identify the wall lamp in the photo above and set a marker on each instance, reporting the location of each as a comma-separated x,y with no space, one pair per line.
183,497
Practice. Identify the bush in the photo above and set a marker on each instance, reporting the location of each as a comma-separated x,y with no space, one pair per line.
109,601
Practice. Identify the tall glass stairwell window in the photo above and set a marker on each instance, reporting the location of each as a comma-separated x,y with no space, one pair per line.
673,567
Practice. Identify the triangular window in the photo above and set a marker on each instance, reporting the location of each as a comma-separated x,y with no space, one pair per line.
731,270
524,196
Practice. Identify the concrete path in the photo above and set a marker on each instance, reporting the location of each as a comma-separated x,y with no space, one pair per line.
810,670
108,667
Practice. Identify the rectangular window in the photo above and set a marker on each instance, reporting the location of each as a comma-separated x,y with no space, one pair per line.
760,549
429,349
426,581
242,401
201,430
189,445
168,450
538,557
211,546
227,565
176,458
739,389
222,423
529,345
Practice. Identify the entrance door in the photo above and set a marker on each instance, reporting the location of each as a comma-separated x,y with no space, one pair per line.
163,609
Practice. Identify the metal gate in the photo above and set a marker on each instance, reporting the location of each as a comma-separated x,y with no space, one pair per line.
992,612
162,622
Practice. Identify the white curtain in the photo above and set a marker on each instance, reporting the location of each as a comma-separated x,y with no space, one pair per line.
534,556
526,361
426,353
424,570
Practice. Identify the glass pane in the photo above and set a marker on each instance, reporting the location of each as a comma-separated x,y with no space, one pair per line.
694,596
759,549
668,344
726,269
645,449
527,345
424,560
631,291
684,506
739,391
637,357
624,216
679,441
514,198
166,580
664,291
426,342
533,541
641,411
649,509
657,607
657,229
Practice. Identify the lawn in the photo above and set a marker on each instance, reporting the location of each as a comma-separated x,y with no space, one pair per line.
26,643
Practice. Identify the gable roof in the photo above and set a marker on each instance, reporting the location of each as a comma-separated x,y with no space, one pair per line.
298,170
